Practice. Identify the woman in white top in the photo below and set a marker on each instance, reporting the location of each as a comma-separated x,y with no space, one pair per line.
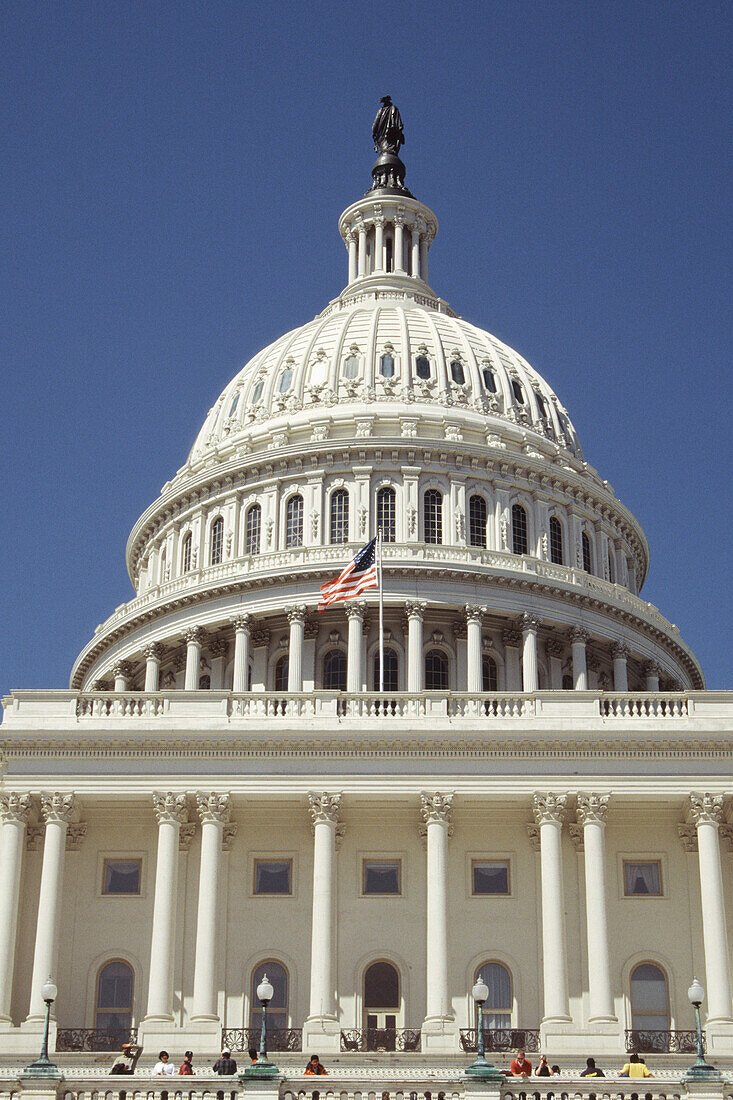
164,1067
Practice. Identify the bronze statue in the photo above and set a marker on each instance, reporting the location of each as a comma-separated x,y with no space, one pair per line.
387,129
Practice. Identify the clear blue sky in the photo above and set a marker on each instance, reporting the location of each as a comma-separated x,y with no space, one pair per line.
173,175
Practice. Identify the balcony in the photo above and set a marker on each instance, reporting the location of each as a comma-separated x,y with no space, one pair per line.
380,1039
498,1039
71,1039
662,1042
279,1039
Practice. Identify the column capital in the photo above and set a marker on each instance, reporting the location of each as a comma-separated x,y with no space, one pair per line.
154,650
297,614
121,668
549,809
554,648
194,634
415,609
436,807
512,637
57,807
15,808
620,651
170,808
530,622
242,622
218,647
212,807
579,634
260,637
592,809
688,836
75,835
475,614
356,610
324,807
705,809
651,668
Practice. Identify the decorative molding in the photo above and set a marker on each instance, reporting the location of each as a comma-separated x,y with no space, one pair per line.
533,832
620,651
475,614
554,648
212,806
592,808
170,808
705,809
576,835
512,637
228,834
415,609
34,837
194,635
530,622
153,651
75,835
356,610
260,637
15,808
579,634
186,835
297,614
324,808
726,834
311,628
242,622
436,808
218,647
57,807
549,809
688,836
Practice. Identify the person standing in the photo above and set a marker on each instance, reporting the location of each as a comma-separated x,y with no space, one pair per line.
520,1067
225,1065
186,1067
163,1067
591,1069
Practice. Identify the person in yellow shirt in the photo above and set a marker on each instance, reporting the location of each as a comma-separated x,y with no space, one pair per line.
635,1068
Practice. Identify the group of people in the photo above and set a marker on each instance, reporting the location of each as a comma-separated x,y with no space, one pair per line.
522,1067
224,1066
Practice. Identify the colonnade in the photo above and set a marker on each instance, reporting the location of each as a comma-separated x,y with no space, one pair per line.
172,810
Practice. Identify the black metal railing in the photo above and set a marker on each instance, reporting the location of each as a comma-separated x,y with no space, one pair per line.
93,1038
501,1039
248,1038
662,1042
380,1038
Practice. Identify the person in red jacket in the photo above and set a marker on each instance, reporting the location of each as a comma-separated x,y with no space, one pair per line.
314,1067
520,1067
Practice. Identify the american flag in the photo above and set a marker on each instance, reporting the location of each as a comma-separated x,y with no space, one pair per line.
359,574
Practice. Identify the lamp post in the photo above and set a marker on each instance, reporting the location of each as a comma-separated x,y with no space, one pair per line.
481,1068
262,1068
44,1067
701,1069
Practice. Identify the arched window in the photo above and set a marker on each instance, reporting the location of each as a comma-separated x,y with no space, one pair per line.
186,553
216,548
541,404
233,406
587,556
257,392
386,366
387,514
436,670
252,528
489,674
114,1002
334,670
611,565
498,1007
489,379
477,516
161,571
391,667
381,1006
422,367
294,522
433,516
556,554
520,541
204,682
286,379
351,366
457,372
277,1009
517,391
649,999
281,673
339,516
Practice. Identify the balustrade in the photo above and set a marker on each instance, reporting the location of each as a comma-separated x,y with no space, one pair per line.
239,1039
380,1039
662,1042
69,1039
501,1039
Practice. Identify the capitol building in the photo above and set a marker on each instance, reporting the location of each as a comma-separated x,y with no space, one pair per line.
539,796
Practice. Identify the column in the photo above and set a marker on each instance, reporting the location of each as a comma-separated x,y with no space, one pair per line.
242,628
355,613
415,250
511,638
361,263
424,259
706,813
213,810
555,651
652,671
437,811
399,246
14,813
578,639
592,810
218,651
296,618
474,619
194,637
57,811
530,674
415,611
322,1021
549,810
152,654
171,812
379,244
352,242
121,672
620,654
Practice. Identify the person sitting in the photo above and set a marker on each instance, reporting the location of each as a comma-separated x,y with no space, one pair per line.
635,1067
591,1069
126,1062
225,1065
252,1055
555,1071
163,1067
520,1067
314,1067
186,1067
543,1068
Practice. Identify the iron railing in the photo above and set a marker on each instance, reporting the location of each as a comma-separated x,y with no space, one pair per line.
248,1038
380,1038
501,1039
93,1038
662,1042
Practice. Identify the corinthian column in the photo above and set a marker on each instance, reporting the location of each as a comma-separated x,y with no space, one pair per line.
322,1021
194,637
706,813
592,810
474,618
355,613
439,1023
152,653
549,810
213,809
296,618
14,813
530,674
620,654
171,812
415,611
57,811
242,627
578,640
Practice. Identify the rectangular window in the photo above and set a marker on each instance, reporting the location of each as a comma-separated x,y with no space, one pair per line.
382,876
121,876
642,879
490,876
273,876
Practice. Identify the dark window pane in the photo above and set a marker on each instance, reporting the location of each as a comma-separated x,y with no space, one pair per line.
272,876
587,556
556,548
520,542
387,514
257,392
517,391
386,366
422,366
186,554
642,878
436,671
281,674
253,527
457,372
477,518
114,987
339,516
489,674
433,516
121,876
490,877
277,1009
489,380
351,366
390,670
286,379
334,670
217,541
294,522
381,877
381,986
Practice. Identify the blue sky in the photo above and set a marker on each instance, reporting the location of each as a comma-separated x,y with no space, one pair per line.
173,176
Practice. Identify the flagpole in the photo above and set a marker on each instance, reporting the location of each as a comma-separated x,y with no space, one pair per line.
381,613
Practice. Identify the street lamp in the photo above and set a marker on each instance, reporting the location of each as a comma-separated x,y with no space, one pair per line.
701,1069
262,1068
481,1068
44,1067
